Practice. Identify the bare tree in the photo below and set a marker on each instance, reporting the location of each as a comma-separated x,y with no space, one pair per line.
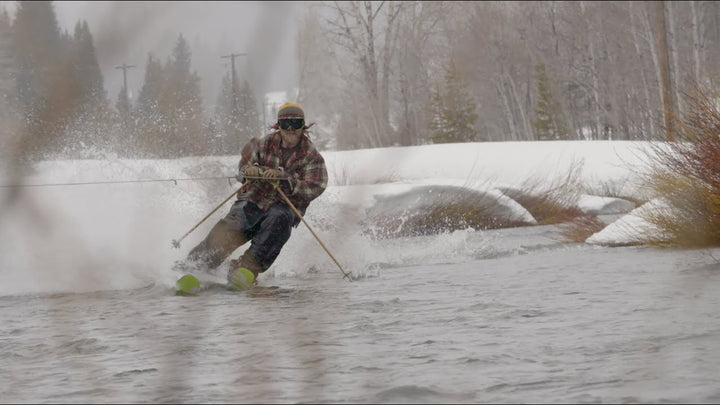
695,41
664,67
602,59
673,51
367,31
644,123
418,31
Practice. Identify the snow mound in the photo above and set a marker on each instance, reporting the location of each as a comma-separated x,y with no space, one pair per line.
632,228
597,205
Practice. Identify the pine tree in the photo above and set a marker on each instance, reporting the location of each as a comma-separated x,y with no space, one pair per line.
227,118
149,97
9,116
237,115
250,125
123,107
87,67
169,107
181,104
549,120
151,125
59,83
66,92
41,69
8,67
453,111
90,119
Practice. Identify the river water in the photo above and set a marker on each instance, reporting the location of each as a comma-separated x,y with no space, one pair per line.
497,316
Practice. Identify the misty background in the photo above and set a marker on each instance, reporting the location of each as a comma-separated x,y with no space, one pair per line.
371,74
126,31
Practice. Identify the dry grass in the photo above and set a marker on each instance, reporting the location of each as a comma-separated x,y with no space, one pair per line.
686,172
422,212
556,203
580,228
440,219
437,209
545,207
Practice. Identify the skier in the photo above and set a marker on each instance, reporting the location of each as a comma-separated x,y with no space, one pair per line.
285,158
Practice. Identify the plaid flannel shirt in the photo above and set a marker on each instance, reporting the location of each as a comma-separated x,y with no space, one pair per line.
305,167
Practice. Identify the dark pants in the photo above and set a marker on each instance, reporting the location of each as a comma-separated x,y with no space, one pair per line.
268,232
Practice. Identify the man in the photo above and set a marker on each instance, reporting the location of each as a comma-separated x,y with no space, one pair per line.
285,159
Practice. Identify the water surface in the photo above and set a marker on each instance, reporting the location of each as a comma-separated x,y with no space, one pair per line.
498,316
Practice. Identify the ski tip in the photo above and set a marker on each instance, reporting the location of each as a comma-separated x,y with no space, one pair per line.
242,279
187,285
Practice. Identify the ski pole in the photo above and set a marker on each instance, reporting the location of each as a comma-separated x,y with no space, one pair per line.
287,200
176,242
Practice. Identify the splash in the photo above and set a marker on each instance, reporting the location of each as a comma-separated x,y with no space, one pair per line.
101,236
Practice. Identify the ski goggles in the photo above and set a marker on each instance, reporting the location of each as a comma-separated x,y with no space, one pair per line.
293,124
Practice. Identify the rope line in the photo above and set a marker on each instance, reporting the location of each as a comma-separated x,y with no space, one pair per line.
115,182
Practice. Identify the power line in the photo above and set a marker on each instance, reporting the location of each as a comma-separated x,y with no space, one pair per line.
126,99
114,182
232,57
124,68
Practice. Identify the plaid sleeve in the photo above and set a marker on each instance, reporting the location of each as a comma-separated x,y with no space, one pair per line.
255,191
249,154
311,182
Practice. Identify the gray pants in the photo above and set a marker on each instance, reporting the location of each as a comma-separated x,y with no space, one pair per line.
268,232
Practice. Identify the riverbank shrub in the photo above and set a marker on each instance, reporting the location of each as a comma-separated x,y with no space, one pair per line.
578,229
685,171
551,202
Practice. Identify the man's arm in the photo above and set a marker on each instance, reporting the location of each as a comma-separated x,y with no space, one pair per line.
249,155
311,182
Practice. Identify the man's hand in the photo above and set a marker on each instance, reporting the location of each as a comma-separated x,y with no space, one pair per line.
273,174
252,171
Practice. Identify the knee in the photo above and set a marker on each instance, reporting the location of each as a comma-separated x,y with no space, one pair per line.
280,214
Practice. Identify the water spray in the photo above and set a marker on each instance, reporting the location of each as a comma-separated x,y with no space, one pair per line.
176,242
276,183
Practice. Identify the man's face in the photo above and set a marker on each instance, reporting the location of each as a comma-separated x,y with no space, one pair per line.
290,137
291,131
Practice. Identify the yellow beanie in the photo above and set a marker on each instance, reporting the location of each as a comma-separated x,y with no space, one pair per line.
290,110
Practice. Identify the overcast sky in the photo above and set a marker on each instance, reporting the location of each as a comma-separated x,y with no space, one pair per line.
125,31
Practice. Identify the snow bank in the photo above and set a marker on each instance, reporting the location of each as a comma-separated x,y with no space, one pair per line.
632,228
